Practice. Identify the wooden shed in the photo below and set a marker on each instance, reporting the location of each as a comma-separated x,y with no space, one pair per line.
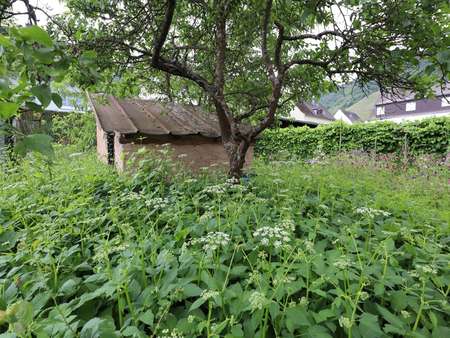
126,125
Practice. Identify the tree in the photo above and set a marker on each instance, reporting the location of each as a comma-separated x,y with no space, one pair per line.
31,65
252,59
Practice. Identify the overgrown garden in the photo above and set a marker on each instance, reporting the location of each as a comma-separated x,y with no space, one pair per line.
349,247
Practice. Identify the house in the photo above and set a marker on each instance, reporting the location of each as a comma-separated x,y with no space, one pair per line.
307,114
124,126
346,116
407,108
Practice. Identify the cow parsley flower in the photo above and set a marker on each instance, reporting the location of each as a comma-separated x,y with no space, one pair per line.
166,333
207,294
276,236
258,301
405,314
428,269
213,240
157,203
345,322
342,263
372,212
215,189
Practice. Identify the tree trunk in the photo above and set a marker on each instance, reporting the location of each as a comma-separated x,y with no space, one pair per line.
236,154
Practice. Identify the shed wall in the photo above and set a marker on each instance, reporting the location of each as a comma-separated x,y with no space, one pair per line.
192,152
102,145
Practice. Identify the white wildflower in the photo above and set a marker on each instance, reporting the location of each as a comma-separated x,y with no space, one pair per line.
283,280
428,269
190,180
363,295
405,314
213,240
254,277
345,322
277,236
157,203
207,294
370,212
166,333
304,301
215,189
257,301
309,247
342,263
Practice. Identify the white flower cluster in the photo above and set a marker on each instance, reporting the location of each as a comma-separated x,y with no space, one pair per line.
213,240
207,294
427,269
342,263
131,196
372,212
157,203
277,236
258,301
190,181
231,184
166,333
108,247
345,322
215,189
281,280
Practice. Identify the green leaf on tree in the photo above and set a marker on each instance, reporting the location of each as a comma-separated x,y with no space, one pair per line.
36,34
8,109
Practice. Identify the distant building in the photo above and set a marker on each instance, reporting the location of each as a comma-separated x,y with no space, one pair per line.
307,114
407,108
346,116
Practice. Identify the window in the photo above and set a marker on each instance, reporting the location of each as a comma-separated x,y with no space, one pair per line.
410,106
380,110
445,102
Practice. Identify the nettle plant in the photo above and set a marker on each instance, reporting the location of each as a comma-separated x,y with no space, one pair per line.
288,254
250,60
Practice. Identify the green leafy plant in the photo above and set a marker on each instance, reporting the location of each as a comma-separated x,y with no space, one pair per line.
346,249
429,136
76,129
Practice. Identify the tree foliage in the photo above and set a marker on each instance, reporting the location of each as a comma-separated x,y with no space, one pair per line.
249,59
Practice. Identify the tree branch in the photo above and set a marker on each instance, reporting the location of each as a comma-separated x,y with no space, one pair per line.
313,36
160,39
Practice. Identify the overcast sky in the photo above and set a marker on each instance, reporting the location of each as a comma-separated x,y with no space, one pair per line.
52,7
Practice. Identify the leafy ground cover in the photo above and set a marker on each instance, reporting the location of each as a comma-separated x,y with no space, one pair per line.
342,248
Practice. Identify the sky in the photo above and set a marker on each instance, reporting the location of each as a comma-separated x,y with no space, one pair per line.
52,7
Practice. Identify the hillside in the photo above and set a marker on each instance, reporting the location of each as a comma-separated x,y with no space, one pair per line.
346,96
353,98
365,107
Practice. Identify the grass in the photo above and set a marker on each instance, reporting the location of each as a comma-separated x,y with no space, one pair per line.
345,248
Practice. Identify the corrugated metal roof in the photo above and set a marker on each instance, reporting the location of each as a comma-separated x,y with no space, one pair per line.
131,116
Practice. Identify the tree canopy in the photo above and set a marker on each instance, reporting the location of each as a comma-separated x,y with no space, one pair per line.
249,60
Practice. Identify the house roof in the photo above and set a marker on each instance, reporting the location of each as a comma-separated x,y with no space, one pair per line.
352,116
132,116
410,96
314,110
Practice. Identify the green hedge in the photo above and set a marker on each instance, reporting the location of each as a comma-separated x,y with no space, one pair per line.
431,136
